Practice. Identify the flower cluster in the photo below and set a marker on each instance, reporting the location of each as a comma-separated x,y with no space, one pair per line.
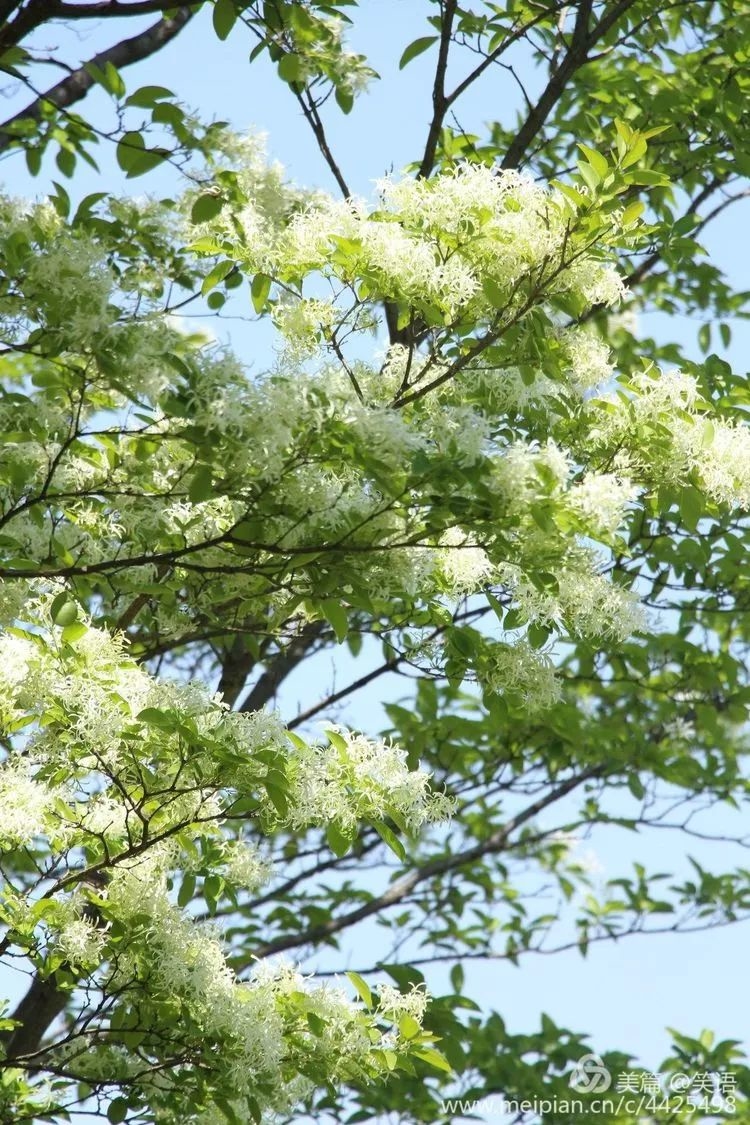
464,566
437,242
579,598
519,670
27,803
266,1027
353,778
662,431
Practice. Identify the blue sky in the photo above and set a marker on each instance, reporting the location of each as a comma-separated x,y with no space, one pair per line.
624,995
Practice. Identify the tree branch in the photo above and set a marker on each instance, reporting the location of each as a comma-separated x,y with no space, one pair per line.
439,101
313,118
398,891
35,1012
508,42
704,194
77,84
280,667
575,57
39,12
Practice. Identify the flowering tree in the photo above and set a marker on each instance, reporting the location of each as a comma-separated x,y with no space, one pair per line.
462,466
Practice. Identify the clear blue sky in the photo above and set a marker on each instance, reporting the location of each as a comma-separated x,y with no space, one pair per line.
624,995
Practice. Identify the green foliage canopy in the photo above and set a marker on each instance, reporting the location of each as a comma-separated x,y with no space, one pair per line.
465,460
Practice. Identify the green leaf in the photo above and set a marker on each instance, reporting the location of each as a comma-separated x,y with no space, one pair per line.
537,634
216,275
405,976
259,290
213,885
107,76
635,785
409,1027
206,207
117,1111
187,890
147,96
63,610
291,68
33,160
416,47
638,150
74,632
201,486
434,1058
130,146
153,717
278,799
363,989
494,293
336,616
649,177
86,206
60,200
390,838
596,160
633,212
66,161
224,17
338,840
344,99
495,604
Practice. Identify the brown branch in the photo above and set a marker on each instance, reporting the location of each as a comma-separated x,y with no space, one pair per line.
35,1012
7,8
576,56
103,9
705,193
44,1001
313,118
500,50
281,666
236,666
336,696
439,101
391,665
77,84
398,891
39,12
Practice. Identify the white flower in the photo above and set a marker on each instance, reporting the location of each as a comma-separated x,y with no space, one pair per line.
601,500
520,669
355,778
246,866
81,942
588,358
594,606
722,459
394,1004
589,604
680,730
465,567
26,804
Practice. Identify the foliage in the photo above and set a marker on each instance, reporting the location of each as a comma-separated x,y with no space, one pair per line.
464,466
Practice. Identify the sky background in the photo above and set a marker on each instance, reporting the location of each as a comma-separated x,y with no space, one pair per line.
624,995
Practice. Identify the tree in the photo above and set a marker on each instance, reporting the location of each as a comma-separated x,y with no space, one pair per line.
464,458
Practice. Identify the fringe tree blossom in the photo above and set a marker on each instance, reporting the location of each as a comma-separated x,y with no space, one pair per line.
354,778
521,670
